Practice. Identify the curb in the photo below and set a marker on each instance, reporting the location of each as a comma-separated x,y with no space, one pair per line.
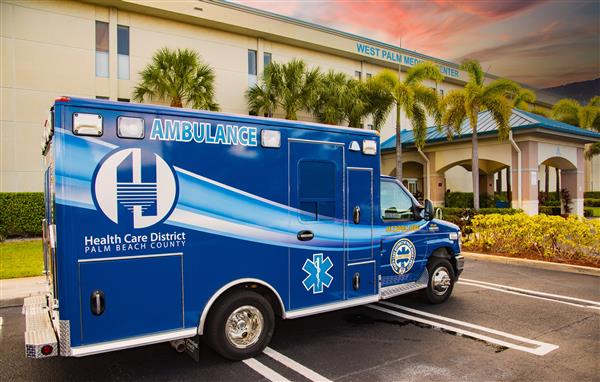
578,269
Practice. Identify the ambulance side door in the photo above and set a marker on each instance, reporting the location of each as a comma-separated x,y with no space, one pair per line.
404,236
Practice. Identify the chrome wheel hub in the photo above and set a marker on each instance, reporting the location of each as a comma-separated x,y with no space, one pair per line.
244,326
440,281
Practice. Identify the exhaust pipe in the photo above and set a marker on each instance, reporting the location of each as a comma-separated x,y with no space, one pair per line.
178,345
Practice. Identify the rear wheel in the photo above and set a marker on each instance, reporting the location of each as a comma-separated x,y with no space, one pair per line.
240,326
441,280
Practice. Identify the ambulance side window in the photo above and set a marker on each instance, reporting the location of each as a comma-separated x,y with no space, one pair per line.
316,182
395,203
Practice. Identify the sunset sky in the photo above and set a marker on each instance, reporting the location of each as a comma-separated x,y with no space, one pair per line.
538,42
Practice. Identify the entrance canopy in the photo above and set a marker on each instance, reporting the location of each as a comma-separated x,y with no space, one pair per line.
535,141
520,121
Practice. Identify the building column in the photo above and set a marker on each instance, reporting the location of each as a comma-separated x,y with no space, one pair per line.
573,180
437,182
529,177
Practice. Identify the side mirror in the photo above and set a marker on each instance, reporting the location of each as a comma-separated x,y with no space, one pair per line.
429,212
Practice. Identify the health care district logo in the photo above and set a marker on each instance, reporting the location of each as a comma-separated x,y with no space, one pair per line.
403,256
135,188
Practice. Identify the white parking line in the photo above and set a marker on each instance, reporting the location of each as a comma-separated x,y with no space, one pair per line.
265,371
532,293
541,348
300,369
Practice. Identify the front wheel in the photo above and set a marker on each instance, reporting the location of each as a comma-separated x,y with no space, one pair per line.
240,326
441,281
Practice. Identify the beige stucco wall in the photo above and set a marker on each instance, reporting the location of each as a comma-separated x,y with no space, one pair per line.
48,49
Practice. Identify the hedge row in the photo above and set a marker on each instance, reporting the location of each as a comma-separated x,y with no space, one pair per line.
465,199
549,210
591,202
545,236
21,214
591,195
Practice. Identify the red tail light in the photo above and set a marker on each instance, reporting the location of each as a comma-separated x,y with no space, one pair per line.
63,99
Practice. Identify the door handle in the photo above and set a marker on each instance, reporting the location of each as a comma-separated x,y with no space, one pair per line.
305,235
97,302
356,215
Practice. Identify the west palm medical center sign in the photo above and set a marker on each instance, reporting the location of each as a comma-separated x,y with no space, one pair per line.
391,56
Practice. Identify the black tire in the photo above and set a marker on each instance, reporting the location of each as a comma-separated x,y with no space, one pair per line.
215,330
437,267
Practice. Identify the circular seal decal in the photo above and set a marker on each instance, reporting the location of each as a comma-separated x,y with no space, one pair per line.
135,188
403,256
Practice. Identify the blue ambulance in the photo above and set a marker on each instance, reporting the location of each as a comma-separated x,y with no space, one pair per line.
166,224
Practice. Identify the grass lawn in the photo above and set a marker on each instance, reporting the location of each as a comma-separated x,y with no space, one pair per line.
596,211
21,258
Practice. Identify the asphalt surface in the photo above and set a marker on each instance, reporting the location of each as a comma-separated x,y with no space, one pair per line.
479,334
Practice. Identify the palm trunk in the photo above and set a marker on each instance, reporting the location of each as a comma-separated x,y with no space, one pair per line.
398,145
475,163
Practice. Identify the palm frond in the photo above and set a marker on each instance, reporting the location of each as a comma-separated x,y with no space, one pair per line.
593,150
419,125
430,100
595,101
454,112
500,87
473,68
501,110
423,71
524,98
567,110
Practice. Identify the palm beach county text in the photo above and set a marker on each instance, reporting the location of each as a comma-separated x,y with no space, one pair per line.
133,242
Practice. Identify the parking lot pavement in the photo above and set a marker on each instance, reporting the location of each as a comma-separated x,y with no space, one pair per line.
504,322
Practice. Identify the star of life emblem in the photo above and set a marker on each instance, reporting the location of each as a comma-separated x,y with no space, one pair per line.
318,273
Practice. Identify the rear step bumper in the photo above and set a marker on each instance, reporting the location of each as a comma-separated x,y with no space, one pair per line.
40,338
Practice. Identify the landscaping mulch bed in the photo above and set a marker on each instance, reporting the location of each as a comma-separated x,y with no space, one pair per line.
589,261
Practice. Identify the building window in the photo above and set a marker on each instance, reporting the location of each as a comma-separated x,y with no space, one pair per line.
251,67
370,126
266,59
123,99
101,49
101,97
316,190
358,75
123,52
369,75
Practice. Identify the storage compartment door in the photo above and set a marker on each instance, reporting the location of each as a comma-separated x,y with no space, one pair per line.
130,297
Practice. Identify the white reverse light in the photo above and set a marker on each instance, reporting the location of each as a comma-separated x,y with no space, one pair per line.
270,138
87,124
129,127
369,147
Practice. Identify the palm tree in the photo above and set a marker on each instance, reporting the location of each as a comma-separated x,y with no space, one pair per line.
379,100
329,102
475,97
178,77
263,96
570,111
416,99
290,86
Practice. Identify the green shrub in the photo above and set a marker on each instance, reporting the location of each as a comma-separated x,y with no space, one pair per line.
546,236
465,199
591,195
553,211
591,202
462,217
21,214
588,212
